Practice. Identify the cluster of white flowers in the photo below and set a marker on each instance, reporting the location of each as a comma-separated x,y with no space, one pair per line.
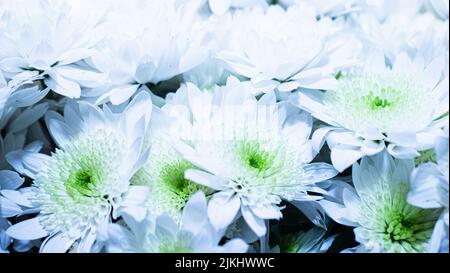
224,126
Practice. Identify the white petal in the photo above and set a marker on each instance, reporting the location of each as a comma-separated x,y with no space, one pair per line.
28,117
8,208
267,211
136,196
27,230
319,136
288,86
195,213
59,130
204,178
239,64
343,137
316,172
234,246
433,71
257,224
402,152
17,197
343,158
120,94
59,243
339,213
313,211
406,139
10,180
223,208
63,86
219,7
370,147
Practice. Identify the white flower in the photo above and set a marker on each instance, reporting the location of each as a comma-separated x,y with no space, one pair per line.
253,153
429,189
378,209
40,40
424,33
285,49
193,234
163,173
9,181
75,189
159,41
404,106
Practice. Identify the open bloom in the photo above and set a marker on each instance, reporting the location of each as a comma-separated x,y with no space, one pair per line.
41,40
429,189
75,189
167,189
403,107
285,49
252,153
384,221
193,234
159,41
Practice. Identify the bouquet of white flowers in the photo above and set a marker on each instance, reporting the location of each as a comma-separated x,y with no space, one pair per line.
224,126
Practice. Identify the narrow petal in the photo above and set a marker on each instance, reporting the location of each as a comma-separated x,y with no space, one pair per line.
257,224
27,230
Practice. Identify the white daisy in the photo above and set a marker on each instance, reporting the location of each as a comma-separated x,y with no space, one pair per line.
285,49
193,234
40,40
75,189
404,106
253,153
384,221
429,189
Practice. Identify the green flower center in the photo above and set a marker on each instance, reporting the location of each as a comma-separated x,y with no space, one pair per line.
255,157
82,182
174,248
400,228
427,156
172,175
376,102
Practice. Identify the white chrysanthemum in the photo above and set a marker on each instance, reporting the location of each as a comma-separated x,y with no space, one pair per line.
163,173
425,34
384,221
40,40
160,40
429,189
192,234
404,106
285,49
76,187
253,153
